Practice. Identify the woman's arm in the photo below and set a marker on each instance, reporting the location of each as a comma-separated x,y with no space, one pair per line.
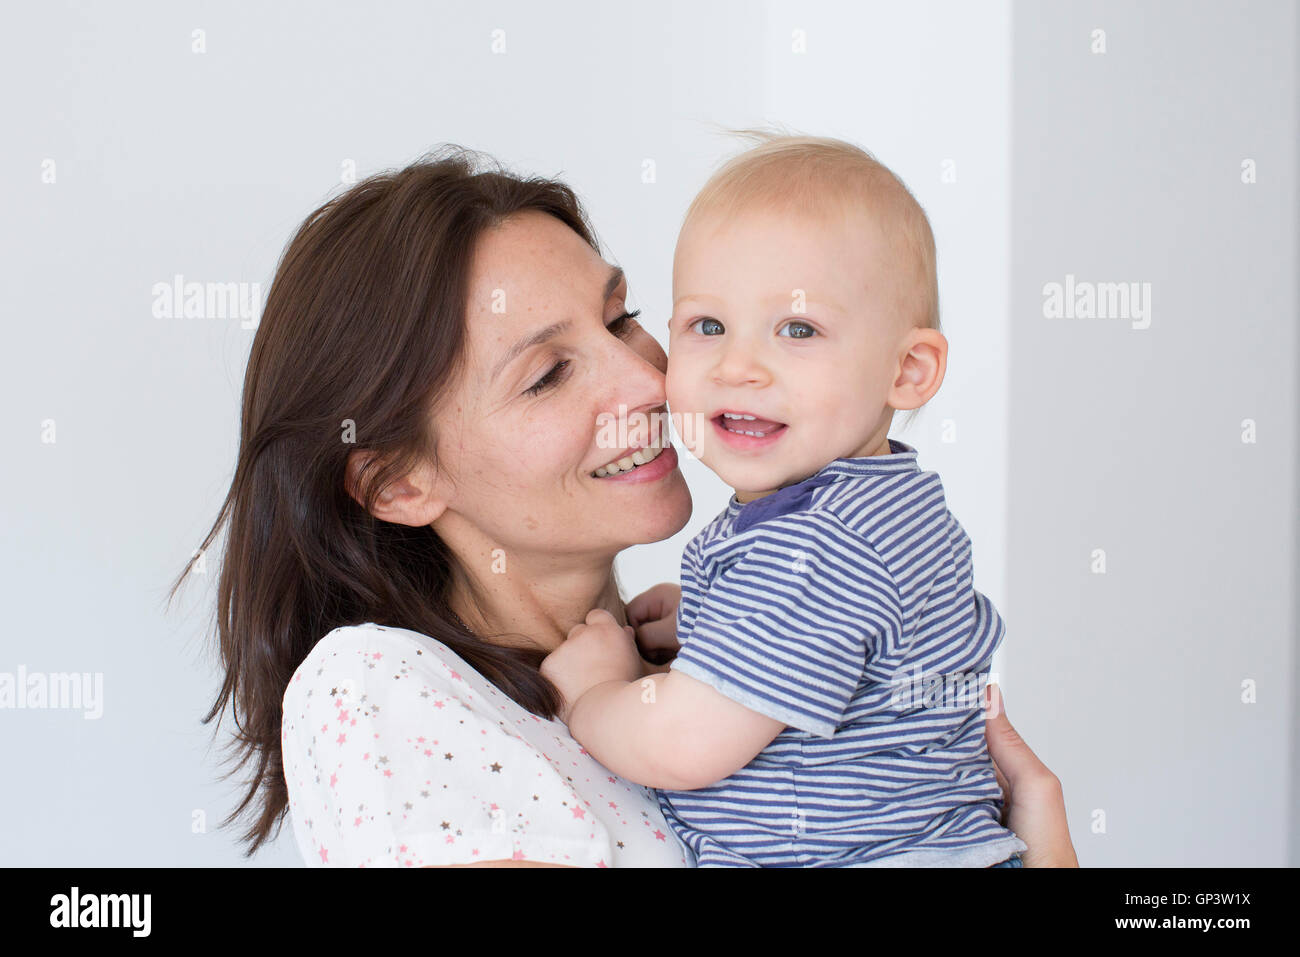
1034,802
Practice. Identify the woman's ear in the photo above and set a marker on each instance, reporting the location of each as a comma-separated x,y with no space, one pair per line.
923,359
414,499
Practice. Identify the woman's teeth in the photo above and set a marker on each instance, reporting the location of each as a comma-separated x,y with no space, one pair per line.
629,462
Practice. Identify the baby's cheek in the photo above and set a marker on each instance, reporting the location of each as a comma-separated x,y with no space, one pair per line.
677,385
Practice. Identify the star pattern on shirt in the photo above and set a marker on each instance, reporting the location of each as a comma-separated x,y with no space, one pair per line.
551,769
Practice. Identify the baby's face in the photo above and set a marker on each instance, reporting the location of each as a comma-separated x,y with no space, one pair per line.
792,319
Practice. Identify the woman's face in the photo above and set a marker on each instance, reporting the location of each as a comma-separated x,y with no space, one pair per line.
552,366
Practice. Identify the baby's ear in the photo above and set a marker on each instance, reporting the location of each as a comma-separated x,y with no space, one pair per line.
922,361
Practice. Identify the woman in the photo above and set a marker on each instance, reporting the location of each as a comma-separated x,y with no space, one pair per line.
416,520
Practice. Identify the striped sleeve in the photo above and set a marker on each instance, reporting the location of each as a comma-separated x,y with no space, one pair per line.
787,630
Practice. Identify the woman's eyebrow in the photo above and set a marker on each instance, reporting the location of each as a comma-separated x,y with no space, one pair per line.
527,342
554,329
615,277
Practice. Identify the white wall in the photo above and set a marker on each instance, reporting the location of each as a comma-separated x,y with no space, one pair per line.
1165,687
172,162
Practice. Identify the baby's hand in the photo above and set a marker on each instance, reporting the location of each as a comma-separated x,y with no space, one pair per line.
593,653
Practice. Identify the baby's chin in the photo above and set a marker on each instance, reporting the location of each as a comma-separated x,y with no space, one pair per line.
755,482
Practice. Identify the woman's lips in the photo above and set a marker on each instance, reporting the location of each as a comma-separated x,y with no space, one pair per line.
772,432
662,464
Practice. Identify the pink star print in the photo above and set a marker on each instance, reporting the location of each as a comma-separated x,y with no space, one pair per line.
659,835
517,856
334,779
324,855
578,812
342,738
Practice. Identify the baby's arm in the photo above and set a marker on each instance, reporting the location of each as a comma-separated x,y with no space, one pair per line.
663,730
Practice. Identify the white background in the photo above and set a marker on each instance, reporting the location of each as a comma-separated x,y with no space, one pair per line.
173,162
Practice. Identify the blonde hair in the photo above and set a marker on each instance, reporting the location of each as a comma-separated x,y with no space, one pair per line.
819,174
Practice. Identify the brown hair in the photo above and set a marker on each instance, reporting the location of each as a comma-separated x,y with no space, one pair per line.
365,321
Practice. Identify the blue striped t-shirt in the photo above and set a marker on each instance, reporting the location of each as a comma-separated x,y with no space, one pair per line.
843,605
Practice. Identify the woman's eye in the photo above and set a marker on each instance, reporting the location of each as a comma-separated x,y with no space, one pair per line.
706,324
547,380
800,330
623,324
620,326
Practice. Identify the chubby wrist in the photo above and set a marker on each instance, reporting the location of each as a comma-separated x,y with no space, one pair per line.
589,702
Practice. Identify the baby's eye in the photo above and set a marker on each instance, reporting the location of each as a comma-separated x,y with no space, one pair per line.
707,323
800,330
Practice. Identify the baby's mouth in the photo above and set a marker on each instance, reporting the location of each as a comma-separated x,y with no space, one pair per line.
743,423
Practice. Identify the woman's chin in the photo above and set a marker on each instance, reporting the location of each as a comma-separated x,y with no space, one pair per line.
655,511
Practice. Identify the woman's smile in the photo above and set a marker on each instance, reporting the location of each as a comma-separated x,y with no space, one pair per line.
652,468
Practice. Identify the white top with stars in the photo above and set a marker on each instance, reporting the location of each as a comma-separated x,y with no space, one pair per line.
398,754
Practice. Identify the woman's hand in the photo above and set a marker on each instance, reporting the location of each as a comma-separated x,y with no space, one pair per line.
1034,805
653,616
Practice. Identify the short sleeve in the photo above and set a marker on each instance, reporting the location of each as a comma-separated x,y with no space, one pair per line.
789,628
394,755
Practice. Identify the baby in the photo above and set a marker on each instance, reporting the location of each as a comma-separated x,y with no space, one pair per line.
828,613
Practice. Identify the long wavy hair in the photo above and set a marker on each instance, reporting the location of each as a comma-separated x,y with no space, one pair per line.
365,321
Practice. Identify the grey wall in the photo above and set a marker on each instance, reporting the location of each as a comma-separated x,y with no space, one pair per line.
1127,166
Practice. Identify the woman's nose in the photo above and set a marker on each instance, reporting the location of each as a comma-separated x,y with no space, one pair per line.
639,377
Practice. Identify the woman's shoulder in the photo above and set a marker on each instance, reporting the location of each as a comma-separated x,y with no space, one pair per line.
397,752
355,655
395,755
369,638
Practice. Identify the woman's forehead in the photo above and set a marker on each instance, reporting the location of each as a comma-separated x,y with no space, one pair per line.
533,277
535,255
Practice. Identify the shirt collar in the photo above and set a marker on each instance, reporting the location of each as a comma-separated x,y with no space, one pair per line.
790,498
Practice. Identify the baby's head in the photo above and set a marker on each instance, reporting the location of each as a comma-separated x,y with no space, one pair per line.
804,295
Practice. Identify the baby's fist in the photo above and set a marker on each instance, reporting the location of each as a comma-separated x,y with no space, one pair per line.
597,651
